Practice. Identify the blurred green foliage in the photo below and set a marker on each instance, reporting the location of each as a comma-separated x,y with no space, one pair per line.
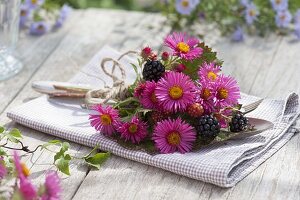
116,4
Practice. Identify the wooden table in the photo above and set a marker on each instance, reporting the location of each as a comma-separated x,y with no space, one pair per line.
267,67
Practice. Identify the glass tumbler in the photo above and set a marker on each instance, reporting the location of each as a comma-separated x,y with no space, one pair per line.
9,30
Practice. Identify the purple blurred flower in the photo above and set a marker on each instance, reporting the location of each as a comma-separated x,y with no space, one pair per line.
185,7
33,4
244,2
297,17
238,35
38,28
280,5
283,18
251,13
64,13
25,13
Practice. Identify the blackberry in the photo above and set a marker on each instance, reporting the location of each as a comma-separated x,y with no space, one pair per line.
238,123
153,70
207,127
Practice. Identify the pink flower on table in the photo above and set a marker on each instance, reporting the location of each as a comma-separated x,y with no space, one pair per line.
183,47
173,135
3,170
52,187
209,71
149,99
27,189
135,130
227,91
106,119
175,91
138,91
21,168
205,95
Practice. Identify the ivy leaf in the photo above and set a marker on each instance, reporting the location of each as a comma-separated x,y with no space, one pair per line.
2,152
65,146
97,159
51,142
15,133
1,129
63,165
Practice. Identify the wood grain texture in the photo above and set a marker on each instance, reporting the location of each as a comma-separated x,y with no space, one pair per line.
263,66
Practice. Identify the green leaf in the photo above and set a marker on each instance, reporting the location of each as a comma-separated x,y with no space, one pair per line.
51,142
97,159
58,155
65,146
15,133
135,69
94,150
63,165
12,139
68,157
2,152
1,129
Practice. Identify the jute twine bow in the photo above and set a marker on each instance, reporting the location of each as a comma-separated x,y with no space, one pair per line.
119,89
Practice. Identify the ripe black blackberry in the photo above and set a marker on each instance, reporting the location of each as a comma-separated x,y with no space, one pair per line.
238,122
207,127
153,70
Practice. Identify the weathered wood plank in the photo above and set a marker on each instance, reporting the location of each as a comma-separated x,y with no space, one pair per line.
32,52
124,179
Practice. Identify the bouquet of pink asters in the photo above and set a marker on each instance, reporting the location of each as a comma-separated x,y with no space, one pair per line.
179,101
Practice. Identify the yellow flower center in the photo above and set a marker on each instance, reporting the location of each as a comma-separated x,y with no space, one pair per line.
105,119
153,98
252,13
25,170
205,93
278,1
222,93
34,1
40,27
173,138
185,3
212,76
23,12
282,17
183,47
176,92
133,128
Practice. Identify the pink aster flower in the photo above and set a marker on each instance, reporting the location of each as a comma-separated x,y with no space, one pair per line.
135,130
175,91
27,189
186,48
138,91
3,170
227,91
52,187
209,71
149,99
205,95
105,120
174,135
